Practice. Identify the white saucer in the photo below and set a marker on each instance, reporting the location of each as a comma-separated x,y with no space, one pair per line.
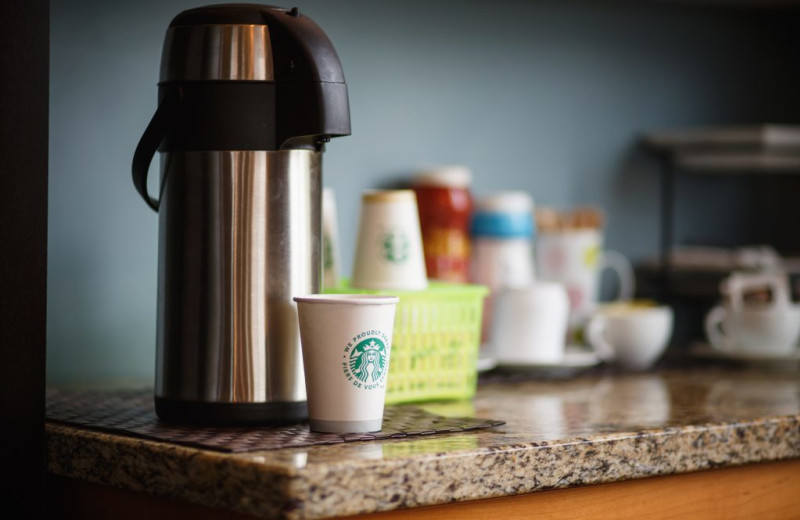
575,357
706,350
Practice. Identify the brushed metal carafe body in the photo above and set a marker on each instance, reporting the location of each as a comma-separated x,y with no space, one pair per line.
239,235
248,97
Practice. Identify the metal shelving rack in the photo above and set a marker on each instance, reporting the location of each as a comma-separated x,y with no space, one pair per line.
760,150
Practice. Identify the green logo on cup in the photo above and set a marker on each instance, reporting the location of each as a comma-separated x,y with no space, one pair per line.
365,361
396,246
327,252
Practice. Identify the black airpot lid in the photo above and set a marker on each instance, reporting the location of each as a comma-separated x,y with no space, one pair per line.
301,51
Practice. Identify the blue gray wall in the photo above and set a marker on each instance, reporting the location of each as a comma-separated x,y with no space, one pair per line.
548,97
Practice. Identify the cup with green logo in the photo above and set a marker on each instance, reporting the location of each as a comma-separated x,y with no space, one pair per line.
389,253
346,341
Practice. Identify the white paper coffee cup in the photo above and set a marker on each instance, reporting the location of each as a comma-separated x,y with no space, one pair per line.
346,341
389,244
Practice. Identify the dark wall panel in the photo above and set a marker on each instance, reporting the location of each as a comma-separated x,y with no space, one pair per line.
24,73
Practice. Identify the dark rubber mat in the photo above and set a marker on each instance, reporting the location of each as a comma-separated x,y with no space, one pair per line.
132,413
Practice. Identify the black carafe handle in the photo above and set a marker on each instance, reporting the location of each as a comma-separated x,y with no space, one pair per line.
151,139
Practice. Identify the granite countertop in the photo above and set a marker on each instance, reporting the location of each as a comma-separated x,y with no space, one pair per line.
558,434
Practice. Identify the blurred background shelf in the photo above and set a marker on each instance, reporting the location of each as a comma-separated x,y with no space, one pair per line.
765,158
753,149
757,150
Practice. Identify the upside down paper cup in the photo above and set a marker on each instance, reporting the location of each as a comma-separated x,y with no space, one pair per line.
346,341
389,243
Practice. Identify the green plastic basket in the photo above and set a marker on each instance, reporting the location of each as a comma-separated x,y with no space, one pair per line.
435,342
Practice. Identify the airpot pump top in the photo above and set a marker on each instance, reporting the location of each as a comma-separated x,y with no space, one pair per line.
272,76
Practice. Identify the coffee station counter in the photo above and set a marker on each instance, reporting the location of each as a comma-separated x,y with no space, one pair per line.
589,445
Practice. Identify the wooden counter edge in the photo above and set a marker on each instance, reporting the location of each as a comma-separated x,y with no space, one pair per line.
770,490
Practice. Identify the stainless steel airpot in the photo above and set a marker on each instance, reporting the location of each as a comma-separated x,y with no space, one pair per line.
248,96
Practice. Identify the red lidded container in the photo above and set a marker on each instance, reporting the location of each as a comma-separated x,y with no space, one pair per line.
445,209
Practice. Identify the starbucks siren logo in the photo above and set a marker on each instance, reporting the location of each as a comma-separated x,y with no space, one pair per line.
365,362
396,247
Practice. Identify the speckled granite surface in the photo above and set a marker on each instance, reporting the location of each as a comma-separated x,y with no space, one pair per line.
558,434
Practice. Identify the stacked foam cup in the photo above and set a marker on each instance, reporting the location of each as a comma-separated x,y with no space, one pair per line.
502,247
389,243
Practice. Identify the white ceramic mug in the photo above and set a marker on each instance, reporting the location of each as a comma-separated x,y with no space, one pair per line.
772,331
576,258
530,324
633,336
762,329
736,286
